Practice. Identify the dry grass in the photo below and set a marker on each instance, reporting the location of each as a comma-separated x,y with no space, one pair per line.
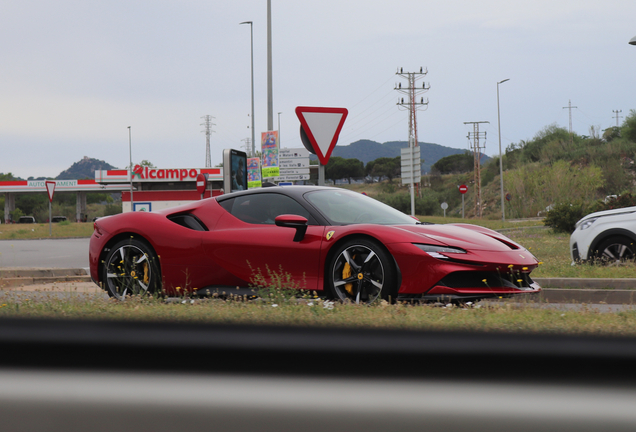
504,317
36,231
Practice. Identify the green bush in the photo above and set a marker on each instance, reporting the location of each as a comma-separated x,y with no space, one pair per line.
622,201
563,217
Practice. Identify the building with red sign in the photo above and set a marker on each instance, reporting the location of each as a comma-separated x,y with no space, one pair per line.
160,188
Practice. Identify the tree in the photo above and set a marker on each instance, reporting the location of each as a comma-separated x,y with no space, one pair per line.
455,164
628,129
339,168
146,163
384,167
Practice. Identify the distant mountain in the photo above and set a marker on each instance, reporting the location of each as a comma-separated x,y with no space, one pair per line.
367,151
84,169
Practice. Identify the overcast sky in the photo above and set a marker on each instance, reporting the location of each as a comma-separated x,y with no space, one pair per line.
75,74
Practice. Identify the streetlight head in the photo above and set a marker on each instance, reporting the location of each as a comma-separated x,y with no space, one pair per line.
633,41
246,22
503,81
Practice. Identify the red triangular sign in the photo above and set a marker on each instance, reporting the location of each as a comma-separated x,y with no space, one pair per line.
322,126
50,189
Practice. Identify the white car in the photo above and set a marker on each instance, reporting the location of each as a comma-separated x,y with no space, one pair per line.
606,236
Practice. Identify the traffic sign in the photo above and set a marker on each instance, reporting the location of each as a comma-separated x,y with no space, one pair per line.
50,189
321,127
463,189
201,183
411,165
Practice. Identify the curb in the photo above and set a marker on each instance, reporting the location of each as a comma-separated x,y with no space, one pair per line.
11,278
587,283
588,296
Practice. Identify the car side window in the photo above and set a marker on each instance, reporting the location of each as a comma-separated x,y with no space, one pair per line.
263,208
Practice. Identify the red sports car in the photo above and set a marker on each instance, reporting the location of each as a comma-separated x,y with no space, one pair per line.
342,244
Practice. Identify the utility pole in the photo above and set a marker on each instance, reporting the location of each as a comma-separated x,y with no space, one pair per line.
412,105
207,122
617,116
270,102
476,135
569,107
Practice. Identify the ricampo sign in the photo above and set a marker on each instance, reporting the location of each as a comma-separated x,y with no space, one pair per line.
177,174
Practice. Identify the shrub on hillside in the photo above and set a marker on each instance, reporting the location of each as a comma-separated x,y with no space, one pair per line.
563,217
622,201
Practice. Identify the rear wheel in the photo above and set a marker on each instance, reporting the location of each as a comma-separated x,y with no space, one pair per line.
131,267
615,250
361,271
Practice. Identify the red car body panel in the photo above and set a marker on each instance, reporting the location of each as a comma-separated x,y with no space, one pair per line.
232,252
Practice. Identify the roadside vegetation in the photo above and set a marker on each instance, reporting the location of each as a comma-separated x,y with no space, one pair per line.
485,316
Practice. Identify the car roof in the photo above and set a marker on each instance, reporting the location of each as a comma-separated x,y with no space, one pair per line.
293,191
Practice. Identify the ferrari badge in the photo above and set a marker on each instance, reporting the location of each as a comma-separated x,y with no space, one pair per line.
330,234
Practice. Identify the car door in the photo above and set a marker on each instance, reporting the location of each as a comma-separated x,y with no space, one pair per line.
247,243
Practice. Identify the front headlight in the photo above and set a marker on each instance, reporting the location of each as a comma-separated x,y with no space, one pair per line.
437,251
588,223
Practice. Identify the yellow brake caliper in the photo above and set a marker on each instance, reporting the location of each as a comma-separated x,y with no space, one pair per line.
146,279
346,273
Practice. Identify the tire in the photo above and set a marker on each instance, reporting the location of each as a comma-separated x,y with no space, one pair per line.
131,267
361,271
615,250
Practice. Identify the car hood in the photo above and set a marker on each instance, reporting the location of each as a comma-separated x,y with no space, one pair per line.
468,237
613,212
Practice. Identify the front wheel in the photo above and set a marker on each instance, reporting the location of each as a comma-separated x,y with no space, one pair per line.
360,271
131,267
616,250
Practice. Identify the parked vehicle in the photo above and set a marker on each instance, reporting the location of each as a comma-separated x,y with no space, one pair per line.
56,219
26,219
605,237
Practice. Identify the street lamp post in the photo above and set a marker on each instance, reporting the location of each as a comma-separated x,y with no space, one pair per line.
503,213
130,173
252,50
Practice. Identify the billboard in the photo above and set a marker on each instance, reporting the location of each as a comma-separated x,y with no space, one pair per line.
254,173
235,170
269,151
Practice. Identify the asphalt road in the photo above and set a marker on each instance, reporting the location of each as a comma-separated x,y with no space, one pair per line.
45,253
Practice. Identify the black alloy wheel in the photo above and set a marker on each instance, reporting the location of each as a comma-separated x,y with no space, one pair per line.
361,271
131,267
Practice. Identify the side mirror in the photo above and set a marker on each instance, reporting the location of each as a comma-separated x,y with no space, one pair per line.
299,223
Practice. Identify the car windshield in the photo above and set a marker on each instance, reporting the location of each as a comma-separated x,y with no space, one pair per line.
342,207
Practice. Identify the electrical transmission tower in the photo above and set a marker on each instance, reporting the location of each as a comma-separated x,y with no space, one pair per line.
617,115
411,104
207,122
247,146
476,135
569,107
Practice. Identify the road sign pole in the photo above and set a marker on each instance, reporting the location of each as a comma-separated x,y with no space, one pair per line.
50,190
462,206
321,175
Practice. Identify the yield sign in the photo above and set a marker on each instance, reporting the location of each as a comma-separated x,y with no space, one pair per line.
322,127
50,188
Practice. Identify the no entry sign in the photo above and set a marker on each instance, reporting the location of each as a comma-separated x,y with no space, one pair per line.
463,189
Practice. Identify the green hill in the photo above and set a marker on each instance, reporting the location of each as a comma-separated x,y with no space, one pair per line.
367,151
84,169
